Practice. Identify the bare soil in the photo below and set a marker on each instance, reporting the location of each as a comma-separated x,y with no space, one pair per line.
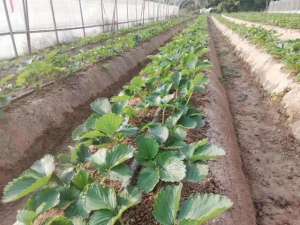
269,153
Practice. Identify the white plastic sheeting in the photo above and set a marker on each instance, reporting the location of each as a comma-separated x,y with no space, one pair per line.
67,15
284,6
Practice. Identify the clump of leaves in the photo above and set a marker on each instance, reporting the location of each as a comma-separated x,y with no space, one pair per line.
198,209
4,101
35,71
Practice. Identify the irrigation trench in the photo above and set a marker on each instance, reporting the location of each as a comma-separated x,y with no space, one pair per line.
260,171
269,152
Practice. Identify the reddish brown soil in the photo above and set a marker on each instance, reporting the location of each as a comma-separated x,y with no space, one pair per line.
269,153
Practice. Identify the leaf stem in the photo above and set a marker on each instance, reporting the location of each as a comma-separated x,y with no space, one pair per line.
189,98
163,116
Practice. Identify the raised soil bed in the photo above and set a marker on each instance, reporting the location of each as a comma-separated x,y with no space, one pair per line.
38,123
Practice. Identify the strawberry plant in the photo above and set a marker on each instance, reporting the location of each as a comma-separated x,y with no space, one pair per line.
196,210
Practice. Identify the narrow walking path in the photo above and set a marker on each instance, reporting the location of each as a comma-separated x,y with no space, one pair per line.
270,155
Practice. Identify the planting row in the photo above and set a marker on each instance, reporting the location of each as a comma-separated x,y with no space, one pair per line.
275,19
59,62
76,45
286,51
133,144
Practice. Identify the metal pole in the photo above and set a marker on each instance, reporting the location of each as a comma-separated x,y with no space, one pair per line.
158,9
54,21
127,13
168,8
81,15
117,14
144,5
136,11
102,15
143,11
148,5
10,29
164,10
113,18
26,17
153,5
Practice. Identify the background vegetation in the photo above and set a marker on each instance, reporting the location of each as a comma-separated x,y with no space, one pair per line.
238,5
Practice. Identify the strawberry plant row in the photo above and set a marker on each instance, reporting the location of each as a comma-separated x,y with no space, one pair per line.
60,62
286,51
147,125
275,19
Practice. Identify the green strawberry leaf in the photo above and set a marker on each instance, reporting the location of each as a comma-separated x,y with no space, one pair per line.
25,217
201,208
171,166
43,200
118,155
109,123
31,180
148,178
166,205
81,179
208,152
159,132
147,148
196,172
101,106
97,197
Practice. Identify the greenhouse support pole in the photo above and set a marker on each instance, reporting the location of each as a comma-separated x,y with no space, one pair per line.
127,14
81,16
113,20
168,9
153,5
54,21
143,11
102,15
165,9
157,13
26,18
136,11
10,29
148,5
117,14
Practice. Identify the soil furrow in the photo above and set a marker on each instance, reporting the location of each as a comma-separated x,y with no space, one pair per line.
269,153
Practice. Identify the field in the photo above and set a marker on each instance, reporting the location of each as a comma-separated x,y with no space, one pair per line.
189,121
